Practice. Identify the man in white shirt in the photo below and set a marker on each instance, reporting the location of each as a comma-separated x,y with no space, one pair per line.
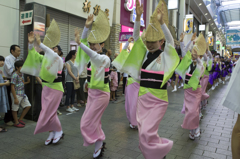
8,69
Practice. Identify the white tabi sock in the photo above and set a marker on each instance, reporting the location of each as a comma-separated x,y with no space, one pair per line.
98,145
58,134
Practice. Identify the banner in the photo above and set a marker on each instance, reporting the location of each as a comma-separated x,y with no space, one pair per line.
188,24
233,37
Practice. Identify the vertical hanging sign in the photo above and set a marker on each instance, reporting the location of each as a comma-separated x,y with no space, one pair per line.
188,24
26,17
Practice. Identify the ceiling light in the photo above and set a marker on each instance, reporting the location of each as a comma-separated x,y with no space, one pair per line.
212,24
214,28
200,4
206,13
209,19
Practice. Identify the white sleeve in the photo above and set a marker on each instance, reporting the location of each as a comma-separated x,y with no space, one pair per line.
168,35
95,57
45,48
126,46
8,67
136,30
210,55
184,48
204,57
30,46
84,33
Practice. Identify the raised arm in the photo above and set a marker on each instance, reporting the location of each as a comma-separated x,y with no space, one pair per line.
139,11
127,43
94,56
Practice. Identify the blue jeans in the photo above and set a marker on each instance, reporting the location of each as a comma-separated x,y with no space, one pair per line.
70,93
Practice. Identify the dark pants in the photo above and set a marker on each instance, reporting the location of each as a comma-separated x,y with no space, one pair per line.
81,95
124,84
38,102
118,83
70,93
8,116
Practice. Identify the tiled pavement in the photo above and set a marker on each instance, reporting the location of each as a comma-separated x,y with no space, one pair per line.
122,142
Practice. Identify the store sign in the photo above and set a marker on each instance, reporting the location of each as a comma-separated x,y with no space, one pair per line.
210,34
233,37
188,24
201,27
130,5
210,40
26,17
172,4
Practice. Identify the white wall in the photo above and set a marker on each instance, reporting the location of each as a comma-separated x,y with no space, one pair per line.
75,6
9,25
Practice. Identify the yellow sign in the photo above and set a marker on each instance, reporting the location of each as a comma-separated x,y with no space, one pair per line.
188,24
210,40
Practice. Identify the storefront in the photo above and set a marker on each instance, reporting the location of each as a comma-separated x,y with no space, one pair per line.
72,15
127,19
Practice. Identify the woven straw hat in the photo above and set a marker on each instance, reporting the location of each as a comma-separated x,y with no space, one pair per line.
154,31
200,45
100,29
53,35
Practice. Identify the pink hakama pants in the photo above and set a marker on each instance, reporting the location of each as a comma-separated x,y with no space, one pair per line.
131,97
150,111
90,125
48,119
192,101
204,83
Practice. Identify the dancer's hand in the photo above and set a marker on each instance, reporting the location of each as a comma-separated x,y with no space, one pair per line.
139,10
89,21
28,79
182,37
31,37
77,36
38,39
194,55
130,39
194,37
160,15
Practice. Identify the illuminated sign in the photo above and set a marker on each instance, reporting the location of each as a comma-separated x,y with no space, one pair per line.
130,5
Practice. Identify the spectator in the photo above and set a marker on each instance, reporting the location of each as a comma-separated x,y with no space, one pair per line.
4,105
18,95
81,95
114,84
118,74
8,69
71,76
125,76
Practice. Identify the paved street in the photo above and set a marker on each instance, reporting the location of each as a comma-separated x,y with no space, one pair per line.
122,142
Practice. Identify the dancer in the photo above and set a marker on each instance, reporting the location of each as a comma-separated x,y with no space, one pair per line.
132,87
154,69
231,100
98,79
49,68
191,69
205,78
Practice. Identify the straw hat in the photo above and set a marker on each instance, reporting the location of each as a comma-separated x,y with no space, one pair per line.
154,31
200,45
100,29
176,42
53,35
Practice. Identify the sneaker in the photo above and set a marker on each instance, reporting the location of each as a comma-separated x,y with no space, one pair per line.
10,123
213,87
19,125
223,82
69,110
79,105
58,112
74,109
175,89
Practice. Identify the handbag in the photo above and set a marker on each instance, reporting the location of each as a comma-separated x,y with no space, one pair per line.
76,85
